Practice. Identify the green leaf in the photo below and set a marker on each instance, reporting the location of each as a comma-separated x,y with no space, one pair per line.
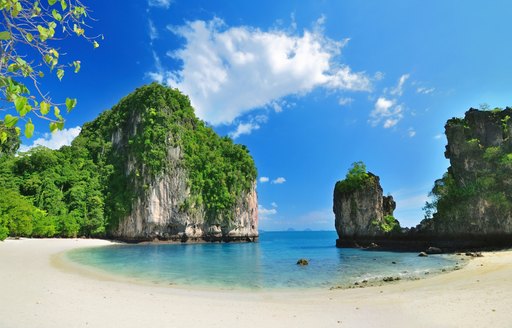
29,129
18,131
95,44
70,103
77,65
20,103
43,33
45,107
60,73
56,112
60,125
3,137
10,120
53,127
25,110
4,35
16,8
56,15
63,4
78,30
52,2
29,37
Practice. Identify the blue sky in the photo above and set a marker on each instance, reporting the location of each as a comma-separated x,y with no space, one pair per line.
309,86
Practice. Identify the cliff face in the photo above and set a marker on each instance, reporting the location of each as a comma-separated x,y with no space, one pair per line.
472,203
362,212
169,176
475,196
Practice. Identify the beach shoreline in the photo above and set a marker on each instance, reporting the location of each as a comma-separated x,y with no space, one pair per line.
40,291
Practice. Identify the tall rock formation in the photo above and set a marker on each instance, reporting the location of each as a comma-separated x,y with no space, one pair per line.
474,197
472,203
168,175
362,213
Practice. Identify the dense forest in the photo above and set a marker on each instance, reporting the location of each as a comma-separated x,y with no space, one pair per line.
85,189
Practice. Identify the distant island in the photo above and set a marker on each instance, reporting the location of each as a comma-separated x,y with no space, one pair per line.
472,202
148,169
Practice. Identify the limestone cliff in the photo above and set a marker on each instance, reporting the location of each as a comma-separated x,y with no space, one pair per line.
472,203
169,176
474,198
361,211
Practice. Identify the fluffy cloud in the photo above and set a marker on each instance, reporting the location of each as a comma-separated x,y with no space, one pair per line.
386,110
279,180
229,71
248,127
264,179
399,89
266,213
244,128
54,140
160,3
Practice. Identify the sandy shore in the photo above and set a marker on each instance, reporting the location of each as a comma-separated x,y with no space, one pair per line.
35,292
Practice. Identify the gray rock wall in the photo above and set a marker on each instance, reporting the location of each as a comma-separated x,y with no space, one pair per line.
158,212
360,213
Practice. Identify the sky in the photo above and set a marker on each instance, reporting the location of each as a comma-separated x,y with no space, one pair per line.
310,86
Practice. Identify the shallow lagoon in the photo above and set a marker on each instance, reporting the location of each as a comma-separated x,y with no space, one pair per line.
269,263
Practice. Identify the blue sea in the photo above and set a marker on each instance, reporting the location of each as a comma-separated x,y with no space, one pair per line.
267,264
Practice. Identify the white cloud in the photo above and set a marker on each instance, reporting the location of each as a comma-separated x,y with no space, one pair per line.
244,128
153,33
264,179
157,76
438,136
411,132
266,213
345,101
160,3
248,127
390,122
229,71
54,140
386,110
424,90
279,180
274,204
398,90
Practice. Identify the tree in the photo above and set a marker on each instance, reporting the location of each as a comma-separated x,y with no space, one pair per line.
356,178
9,140
29,35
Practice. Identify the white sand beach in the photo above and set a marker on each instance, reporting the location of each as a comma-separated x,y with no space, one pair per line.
37,291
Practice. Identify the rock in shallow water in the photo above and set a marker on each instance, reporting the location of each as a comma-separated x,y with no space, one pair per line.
302,262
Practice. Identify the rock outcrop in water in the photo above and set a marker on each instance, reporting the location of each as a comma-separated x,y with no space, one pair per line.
473,200
361,211
472,203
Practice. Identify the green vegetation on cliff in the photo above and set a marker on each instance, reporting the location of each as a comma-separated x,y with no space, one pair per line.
388,224
357,177
86,188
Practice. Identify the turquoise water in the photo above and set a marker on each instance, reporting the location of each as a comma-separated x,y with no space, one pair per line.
270,263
